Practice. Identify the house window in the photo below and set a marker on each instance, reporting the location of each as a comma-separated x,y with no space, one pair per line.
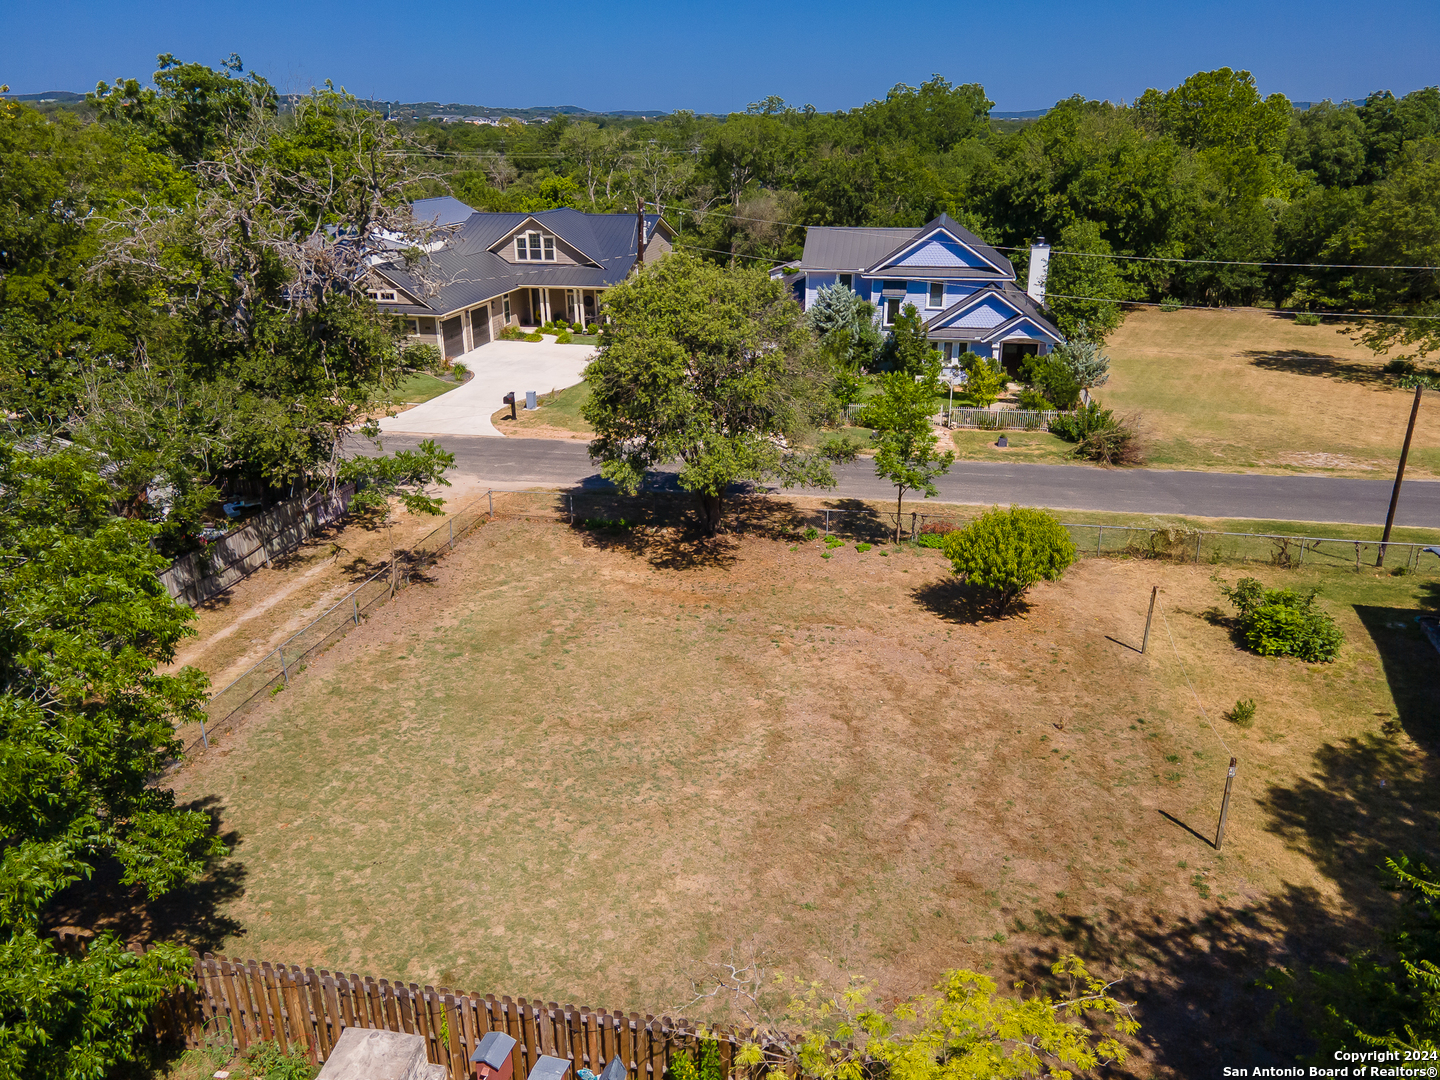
892,309
848,280
507,309
937,294
382,295
520,247
550,248
535,246
414,326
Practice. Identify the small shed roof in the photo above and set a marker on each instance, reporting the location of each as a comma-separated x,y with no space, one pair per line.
494,1048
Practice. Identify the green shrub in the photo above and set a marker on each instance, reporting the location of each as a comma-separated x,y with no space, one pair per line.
266,1061
511,333
1243,714
1004,552
1033,399
607,525
547,327
536,336
1100,435
863,547
827,554
931,540
564,337
834,542
1053,379
1283,622
1169,303
811,533
1307,318
460,371
422,356
593,329
1399,367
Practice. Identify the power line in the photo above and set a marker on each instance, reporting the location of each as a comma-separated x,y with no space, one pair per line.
873,231
1268,311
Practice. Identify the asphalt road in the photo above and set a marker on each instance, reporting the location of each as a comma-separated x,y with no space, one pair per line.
557,463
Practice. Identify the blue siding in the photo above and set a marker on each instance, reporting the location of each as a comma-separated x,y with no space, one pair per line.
941,252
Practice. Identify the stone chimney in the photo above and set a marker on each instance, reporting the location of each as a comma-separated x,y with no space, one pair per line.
1039,270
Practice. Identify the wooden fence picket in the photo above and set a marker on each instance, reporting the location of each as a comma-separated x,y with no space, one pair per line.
242,1003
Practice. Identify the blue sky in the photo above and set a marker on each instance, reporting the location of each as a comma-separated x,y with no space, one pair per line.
624,54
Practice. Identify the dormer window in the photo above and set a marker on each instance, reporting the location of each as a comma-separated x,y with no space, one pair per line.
937,294
382,296
535,247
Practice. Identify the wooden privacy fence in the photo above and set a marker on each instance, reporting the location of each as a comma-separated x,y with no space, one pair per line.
241,1002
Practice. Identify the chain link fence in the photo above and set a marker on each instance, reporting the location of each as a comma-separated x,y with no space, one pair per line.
610,510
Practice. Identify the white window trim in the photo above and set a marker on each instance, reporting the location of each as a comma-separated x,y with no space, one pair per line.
899,302
520,253
930,303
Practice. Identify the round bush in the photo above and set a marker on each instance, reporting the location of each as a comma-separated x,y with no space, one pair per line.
1004,552
1283,622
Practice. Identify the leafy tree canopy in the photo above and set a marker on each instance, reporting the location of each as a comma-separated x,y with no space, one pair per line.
713,367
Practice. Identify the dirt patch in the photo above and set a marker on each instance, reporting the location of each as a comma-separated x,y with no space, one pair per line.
577,761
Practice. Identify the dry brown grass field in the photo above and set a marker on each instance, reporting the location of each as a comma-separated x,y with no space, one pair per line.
1248,391
575,764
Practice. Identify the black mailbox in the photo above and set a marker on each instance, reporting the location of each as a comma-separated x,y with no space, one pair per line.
509,399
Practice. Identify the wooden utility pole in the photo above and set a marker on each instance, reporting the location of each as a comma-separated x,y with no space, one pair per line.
640,231
1145,642
1225,805
1400,474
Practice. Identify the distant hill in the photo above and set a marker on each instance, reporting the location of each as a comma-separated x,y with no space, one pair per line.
48,95
425,110
1029,114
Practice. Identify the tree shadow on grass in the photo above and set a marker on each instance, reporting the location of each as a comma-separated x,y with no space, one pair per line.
957,601
1199,984
1411,664
1196,983
1322,365
192,915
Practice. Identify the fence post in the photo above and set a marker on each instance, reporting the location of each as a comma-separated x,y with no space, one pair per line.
1225,805
827,522
491,496
452,534
284,671
204,738
1145,641
912,524
570,500
355,603
1099,539
1198,538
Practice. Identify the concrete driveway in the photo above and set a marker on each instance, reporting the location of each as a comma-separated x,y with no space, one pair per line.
500,367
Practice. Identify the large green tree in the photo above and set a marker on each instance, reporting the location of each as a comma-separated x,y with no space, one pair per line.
86,721
907,450
713,367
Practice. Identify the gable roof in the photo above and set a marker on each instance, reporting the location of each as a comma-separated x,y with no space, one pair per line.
442,211
945,224
1014,307
470,272
871,251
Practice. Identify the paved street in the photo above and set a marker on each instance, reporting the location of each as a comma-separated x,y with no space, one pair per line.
555,463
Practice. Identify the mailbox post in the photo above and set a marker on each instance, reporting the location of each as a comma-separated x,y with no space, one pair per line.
509,399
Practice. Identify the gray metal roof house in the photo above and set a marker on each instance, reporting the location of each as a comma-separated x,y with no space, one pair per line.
488,271
964,290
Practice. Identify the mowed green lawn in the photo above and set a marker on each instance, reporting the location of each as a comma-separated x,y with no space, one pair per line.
420,387
1245,390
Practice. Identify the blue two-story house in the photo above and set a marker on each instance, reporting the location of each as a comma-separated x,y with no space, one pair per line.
964,289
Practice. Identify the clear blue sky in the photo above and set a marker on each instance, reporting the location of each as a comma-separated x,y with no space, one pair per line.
717,57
